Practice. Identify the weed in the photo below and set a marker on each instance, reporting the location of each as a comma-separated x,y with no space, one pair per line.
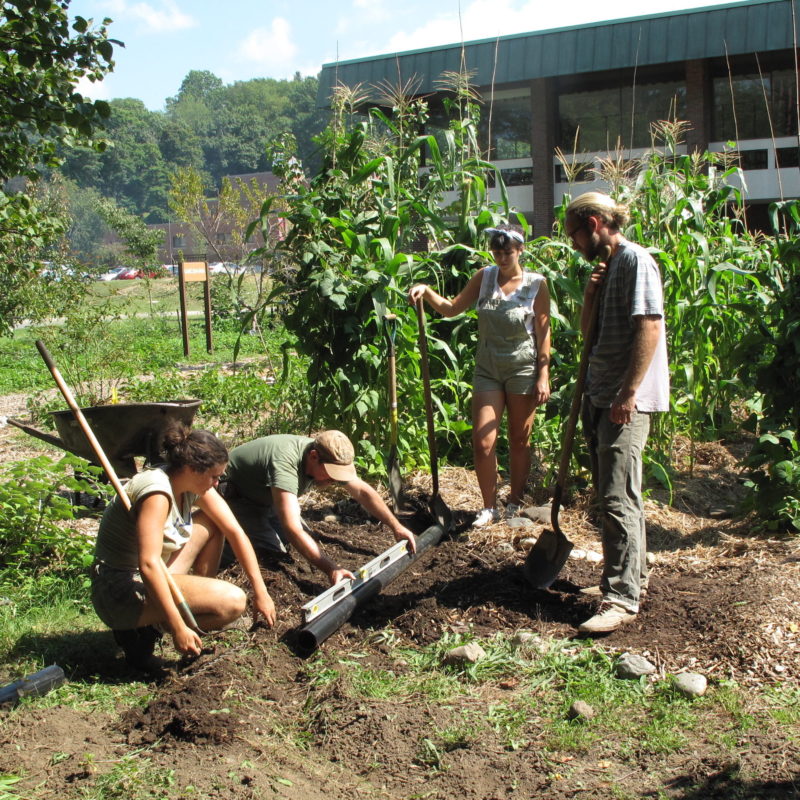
131,778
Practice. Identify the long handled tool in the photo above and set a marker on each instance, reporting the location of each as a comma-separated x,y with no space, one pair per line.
177,594
393,468
439,509
551,551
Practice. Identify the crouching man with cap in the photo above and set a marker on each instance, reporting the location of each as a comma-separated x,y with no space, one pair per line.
265,477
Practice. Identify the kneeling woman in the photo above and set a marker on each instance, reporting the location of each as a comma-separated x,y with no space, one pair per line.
129,588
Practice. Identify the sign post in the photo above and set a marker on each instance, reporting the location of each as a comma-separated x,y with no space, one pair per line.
194,271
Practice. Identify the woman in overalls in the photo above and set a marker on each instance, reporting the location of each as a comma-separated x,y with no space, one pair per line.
512,366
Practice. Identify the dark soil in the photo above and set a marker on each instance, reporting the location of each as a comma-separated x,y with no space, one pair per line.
245,720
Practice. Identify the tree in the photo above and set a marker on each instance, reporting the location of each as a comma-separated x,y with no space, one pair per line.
41,111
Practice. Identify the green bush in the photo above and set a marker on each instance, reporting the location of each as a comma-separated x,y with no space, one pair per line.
35,503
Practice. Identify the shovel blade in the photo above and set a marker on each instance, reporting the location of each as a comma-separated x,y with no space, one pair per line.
395,481
441,513
546,559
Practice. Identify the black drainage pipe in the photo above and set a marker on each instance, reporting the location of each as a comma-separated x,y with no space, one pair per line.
319,629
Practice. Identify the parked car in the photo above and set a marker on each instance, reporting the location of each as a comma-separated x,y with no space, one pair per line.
225,268
137,272
111,274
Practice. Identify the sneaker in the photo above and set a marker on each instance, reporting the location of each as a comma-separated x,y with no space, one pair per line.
138,645
485,517
596,591
512,510
608,618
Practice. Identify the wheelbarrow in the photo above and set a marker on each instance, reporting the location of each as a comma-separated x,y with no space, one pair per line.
124,430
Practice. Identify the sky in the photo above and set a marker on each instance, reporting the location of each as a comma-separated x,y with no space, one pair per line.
242,39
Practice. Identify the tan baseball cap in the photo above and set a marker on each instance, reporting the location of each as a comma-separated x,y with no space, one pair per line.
336,455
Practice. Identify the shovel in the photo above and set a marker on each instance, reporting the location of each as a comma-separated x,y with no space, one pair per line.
551,551
177,594
439,509
393,468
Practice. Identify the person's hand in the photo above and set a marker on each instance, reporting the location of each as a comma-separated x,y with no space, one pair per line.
266,608
597,277
623,408
542,391
416,292
404,534
187,641
338,574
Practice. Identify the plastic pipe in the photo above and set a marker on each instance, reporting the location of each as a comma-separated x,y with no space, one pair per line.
319,629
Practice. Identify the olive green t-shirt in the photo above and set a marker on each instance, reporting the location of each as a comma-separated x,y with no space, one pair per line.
277,460
117,544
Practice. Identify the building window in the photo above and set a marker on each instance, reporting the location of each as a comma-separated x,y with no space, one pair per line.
744,105
602,119
511,121
517,176
787,157
179,240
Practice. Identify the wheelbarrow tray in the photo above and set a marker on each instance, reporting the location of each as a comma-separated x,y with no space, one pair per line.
124,430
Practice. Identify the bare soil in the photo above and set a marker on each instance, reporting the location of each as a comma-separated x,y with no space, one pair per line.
245,719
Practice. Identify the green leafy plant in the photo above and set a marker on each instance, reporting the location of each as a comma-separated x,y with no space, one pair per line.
33,507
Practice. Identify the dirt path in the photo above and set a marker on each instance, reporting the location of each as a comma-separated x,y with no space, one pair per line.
249,718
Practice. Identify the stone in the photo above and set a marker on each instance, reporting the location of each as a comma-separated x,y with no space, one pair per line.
527,542
691,684
581,710
466,654
593,558
505,547
540,514
520,524
577,554
331,518
524,637
650,559
632,666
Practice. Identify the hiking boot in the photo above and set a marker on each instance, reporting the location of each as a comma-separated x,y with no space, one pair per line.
485,517
138,645
609,617
512,510
596,591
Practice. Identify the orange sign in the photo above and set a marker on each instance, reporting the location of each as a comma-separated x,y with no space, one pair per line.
194,271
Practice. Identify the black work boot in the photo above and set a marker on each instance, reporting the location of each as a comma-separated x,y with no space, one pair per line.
138,645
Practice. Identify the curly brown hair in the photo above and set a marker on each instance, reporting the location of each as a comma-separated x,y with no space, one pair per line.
196,449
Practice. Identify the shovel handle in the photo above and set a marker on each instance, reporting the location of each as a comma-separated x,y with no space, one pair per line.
177,594
575,407
426,385
390,323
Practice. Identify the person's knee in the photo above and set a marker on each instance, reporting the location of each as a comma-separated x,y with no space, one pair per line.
231,602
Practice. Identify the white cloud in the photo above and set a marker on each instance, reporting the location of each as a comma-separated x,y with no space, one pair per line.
164,16
269,47
94,91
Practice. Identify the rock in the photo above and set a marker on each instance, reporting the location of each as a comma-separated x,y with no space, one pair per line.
632,666
540,514
577,554
331,518
720,512
650,559
466,654
527,542
691,684
520,524
593,558
524,637
581,710
505,547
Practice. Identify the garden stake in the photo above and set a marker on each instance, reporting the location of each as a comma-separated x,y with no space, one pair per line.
393,468
551,551
177,594
439,508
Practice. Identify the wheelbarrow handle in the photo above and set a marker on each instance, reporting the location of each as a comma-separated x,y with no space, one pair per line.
175,590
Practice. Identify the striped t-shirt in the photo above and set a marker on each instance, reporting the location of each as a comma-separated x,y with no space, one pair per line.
632,288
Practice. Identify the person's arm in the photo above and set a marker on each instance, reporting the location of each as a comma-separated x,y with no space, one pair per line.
287,507
645,341
541,329
467,297
372,502
152,514
220,514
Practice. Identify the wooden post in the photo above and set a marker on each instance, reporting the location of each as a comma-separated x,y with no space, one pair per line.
194,271
182,296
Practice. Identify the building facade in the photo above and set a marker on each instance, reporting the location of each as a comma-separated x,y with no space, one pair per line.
592,91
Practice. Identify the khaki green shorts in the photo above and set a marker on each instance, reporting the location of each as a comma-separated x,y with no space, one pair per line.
510,377
118,596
